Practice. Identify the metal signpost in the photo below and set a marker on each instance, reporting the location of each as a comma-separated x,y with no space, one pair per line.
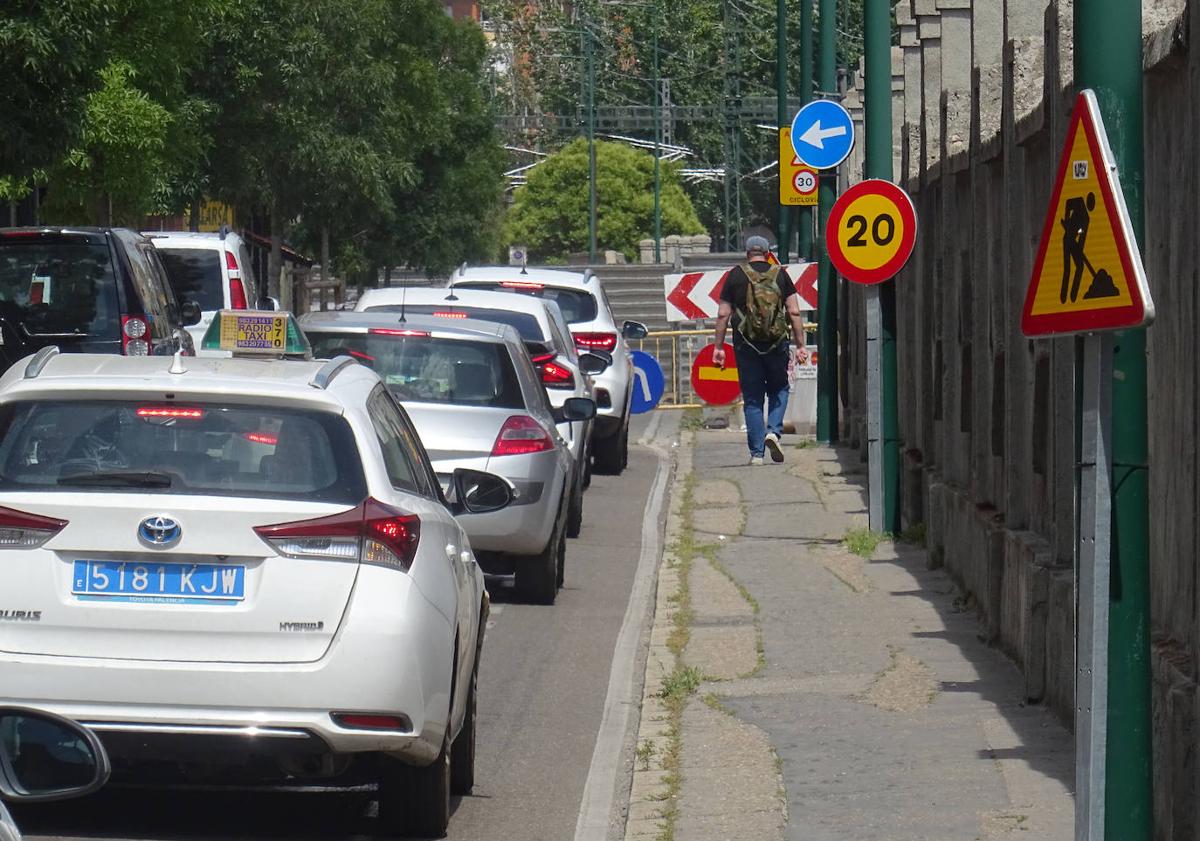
1088,277
870,236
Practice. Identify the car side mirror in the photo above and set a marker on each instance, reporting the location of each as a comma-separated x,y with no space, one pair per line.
476,492
634,330
594,362
575,409
267,304
189,312
47,757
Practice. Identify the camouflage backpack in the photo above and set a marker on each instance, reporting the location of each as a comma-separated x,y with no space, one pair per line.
764,321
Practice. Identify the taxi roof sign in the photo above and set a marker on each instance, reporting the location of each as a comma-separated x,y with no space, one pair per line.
1087,236
256,333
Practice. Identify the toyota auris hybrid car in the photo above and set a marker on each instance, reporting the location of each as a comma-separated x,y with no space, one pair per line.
241,569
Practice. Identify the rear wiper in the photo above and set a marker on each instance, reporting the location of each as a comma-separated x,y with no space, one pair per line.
124,478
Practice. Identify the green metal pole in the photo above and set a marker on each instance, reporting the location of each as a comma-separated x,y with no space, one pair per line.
827,367
877,49
784,234
591,131
657,151
1108,59
805,244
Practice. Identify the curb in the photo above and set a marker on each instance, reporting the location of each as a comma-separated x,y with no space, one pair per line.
649,796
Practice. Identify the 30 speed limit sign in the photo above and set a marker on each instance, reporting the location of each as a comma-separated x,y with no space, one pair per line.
871,232
805,182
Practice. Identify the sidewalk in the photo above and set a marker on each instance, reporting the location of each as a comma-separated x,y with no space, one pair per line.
795,690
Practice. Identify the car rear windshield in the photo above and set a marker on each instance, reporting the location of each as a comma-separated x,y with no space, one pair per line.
179,447
430,369
195,275
62,286
525,324
577,305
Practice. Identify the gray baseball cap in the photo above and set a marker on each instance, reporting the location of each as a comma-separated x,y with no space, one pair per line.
757,245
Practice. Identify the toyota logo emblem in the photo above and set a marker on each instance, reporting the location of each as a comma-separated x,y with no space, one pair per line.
159,532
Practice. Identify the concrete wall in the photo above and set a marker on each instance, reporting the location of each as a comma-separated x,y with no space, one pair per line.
982,91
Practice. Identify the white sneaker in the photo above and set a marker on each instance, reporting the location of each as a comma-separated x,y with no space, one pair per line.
756,461
773,447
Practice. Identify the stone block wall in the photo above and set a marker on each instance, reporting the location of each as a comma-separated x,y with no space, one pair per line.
982,93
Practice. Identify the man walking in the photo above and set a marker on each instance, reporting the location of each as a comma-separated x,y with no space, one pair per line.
767,309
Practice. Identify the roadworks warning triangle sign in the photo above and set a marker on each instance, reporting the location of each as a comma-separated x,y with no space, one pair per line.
1088,275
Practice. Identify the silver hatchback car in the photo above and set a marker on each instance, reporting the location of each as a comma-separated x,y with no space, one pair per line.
476,401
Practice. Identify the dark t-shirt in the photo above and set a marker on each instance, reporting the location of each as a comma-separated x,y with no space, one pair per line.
736,284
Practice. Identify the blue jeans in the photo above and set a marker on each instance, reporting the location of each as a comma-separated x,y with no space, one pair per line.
763,377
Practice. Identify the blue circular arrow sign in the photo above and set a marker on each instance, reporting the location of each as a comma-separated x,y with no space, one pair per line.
648,383
822,134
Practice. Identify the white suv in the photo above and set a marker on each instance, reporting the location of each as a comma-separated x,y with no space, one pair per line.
241,570
585,306
213,270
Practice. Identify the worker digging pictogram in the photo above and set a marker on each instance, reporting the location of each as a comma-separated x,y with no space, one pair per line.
1075,223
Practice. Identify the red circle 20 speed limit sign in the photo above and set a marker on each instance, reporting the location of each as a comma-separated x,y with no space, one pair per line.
871,232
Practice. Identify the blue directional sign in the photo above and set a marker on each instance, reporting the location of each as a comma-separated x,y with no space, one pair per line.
822,134
648,383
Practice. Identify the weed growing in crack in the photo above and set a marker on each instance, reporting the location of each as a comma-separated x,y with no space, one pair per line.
863,542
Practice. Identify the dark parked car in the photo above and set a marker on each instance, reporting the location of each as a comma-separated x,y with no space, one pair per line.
87,290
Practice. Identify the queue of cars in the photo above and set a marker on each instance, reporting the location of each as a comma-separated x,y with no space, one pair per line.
271,568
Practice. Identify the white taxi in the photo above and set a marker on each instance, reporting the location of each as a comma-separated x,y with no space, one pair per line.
245,565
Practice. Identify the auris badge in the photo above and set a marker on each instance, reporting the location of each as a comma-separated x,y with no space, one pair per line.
159,532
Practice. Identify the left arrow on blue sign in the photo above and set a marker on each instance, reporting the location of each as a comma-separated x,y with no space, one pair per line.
648,383
822,134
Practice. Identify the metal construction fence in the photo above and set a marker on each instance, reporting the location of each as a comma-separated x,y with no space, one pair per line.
676,351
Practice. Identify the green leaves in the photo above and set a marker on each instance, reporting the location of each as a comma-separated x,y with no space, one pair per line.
549,214
364,117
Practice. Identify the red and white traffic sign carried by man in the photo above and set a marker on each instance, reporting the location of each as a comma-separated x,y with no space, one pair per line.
764,308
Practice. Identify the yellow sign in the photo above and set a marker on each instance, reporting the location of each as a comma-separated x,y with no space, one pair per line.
214,214
797,182
256,331
871,231
1088,274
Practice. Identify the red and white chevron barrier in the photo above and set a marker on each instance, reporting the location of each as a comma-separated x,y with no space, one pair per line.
695,296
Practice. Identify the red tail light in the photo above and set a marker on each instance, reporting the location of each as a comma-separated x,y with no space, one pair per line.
542,359
596,341
522,435
372,533
237,292
261,438
22,530
447,314
366,721
555,375
135,335
521,284
170,412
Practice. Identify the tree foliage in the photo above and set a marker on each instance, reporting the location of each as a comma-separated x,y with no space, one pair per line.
360,118
549,215
706,57
50,55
